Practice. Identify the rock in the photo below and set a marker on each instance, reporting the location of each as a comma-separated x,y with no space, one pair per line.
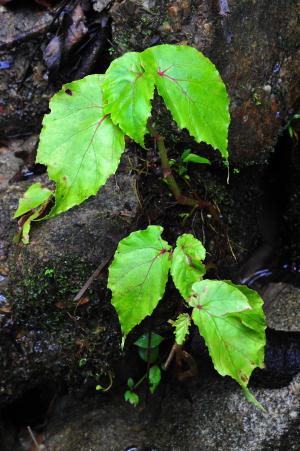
9,165
282,307
100,5
24,87
253,47
46,333
214,416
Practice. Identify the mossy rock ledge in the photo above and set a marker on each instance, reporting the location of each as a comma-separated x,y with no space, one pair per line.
48,336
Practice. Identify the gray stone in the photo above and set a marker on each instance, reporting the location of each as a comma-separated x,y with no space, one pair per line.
43,278
24,88
282,306
100,5
9,165
216,417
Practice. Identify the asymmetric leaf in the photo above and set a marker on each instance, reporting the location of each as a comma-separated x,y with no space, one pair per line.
192,90
79,143
181,324
219,312
128,90
254,318
187,267
138,275
33,197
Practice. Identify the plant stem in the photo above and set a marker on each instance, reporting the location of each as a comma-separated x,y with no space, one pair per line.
168,176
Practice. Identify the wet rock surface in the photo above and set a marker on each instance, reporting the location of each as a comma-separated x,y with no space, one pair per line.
24,85
254,47
282,307
40,49
213,416
44,333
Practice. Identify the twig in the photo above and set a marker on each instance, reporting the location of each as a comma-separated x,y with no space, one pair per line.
168,176
33,438
91,279
171,355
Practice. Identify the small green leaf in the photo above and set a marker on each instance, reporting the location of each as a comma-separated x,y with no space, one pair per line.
154,378
144,342
79,143
35,195
131,397
130,382
193,158
181,324
99,388
232,323
82,362
128,91
187,267
192,90
138,275
149,356
27,225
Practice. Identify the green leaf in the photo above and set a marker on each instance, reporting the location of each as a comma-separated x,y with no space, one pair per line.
187,266
79,143
144,342
181,324
130,382
138,275
254,318
193,92
154,378
149,356
131,397
25,228
128,91
193,158
35,195
225,316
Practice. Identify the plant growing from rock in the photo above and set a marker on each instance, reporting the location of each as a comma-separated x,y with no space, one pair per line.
229,317
81,143
83,137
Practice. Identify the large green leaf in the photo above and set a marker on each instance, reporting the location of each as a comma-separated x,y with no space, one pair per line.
35,195
192,90
138,275
79,143
219,312
128,91
181,324
187,267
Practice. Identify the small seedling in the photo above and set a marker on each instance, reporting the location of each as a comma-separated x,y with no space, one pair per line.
148,347
181,165
290,126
